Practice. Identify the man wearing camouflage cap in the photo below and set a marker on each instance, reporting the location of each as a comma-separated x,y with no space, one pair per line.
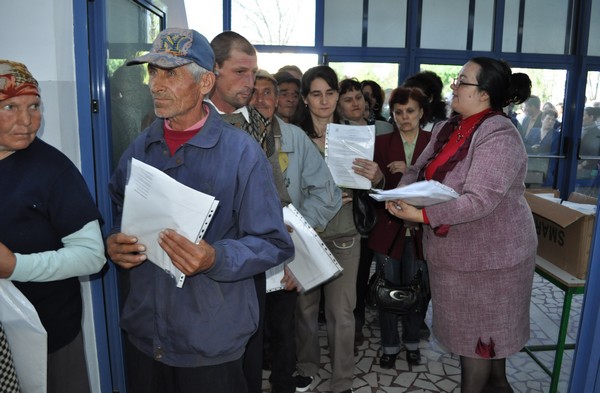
192,339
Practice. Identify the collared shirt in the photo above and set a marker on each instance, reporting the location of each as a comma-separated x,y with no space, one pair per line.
409,148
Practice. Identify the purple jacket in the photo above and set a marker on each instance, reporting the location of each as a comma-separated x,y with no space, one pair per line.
491,225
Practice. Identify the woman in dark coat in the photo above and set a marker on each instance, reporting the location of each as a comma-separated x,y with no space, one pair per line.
480,248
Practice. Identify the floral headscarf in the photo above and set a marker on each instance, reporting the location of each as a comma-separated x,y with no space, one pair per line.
16,80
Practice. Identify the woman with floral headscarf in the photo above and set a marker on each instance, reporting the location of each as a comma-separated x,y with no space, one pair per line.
49,227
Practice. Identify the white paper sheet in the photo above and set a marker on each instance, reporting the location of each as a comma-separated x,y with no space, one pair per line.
154,201
343,144
422,193
313,263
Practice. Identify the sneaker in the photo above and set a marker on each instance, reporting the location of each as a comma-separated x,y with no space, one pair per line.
302,383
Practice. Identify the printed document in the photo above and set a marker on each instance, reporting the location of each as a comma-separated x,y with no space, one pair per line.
154,201
343,144
422,193
312,264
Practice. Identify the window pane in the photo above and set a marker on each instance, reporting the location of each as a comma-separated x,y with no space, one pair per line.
511,26
444,24
131,30
343,23
538,137
206,16
544,19
387,24
483,25
385,74
588,176
594,43
274,22
274,61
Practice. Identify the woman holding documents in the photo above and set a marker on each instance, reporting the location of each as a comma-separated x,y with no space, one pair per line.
320,95
480,247
391,241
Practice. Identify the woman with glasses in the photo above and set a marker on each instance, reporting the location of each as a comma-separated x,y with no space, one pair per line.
480,247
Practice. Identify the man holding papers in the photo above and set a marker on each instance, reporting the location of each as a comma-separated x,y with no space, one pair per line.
310,187
193,338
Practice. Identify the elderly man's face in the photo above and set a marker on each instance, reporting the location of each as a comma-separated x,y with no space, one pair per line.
264,98
20,120
176,94
235,81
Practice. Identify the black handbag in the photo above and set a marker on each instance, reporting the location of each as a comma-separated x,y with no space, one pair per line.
363,211
397,299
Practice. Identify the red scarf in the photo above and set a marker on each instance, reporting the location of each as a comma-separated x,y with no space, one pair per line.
450,149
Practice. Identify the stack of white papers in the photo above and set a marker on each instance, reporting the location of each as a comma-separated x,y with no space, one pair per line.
313,263
422,193
154,201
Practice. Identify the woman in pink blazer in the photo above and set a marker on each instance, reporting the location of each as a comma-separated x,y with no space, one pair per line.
480,247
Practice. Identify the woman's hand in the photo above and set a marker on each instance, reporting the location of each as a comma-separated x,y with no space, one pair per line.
369,169
397,167
404,211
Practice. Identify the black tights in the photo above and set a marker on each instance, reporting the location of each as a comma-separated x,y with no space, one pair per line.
483,376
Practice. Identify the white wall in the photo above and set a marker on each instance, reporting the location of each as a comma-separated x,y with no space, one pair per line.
39,33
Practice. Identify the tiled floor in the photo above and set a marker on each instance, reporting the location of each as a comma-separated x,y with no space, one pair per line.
440,371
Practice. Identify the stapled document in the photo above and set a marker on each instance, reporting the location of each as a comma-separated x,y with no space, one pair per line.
154,201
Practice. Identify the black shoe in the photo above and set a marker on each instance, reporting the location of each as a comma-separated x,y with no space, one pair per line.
388,361
302,383
413,357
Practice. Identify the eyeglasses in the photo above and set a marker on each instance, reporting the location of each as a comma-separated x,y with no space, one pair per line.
456,83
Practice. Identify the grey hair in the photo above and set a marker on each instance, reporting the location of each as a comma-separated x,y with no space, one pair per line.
196,70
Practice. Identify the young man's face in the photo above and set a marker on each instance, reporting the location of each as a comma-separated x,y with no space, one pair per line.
235,81
289,97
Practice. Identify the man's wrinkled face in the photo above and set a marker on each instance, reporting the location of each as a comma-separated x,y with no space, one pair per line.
264,97
289,97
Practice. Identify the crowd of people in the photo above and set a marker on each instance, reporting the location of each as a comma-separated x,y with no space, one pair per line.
256,141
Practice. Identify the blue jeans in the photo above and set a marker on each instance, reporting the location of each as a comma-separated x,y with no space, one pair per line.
401,273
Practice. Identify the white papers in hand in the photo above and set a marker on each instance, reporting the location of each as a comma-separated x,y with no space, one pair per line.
154,201
422,193
312,264
343,144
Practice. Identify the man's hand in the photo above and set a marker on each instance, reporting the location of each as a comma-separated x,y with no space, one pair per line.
189,257
125,251
288,281
8,261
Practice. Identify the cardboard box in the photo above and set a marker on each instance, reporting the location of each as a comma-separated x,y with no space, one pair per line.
564,234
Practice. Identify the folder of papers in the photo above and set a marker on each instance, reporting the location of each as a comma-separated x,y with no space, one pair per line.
154,201
422,193
312,264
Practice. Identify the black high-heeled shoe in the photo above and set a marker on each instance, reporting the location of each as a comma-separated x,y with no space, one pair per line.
388,361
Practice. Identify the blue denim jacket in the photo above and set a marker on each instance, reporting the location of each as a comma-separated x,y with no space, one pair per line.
210,319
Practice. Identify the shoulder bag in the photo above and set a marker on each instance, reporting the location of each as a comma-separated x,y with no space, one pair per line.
398,299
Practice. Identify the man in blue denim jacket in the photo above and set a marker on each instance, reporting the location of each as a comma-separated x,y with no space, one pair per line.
192,338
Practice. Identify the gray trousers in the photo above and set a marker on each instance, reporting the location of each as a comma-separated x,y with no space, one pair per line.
340,299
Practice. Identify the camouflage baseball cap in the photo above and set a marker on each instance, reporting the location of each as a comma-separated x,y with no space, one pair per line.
175,47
